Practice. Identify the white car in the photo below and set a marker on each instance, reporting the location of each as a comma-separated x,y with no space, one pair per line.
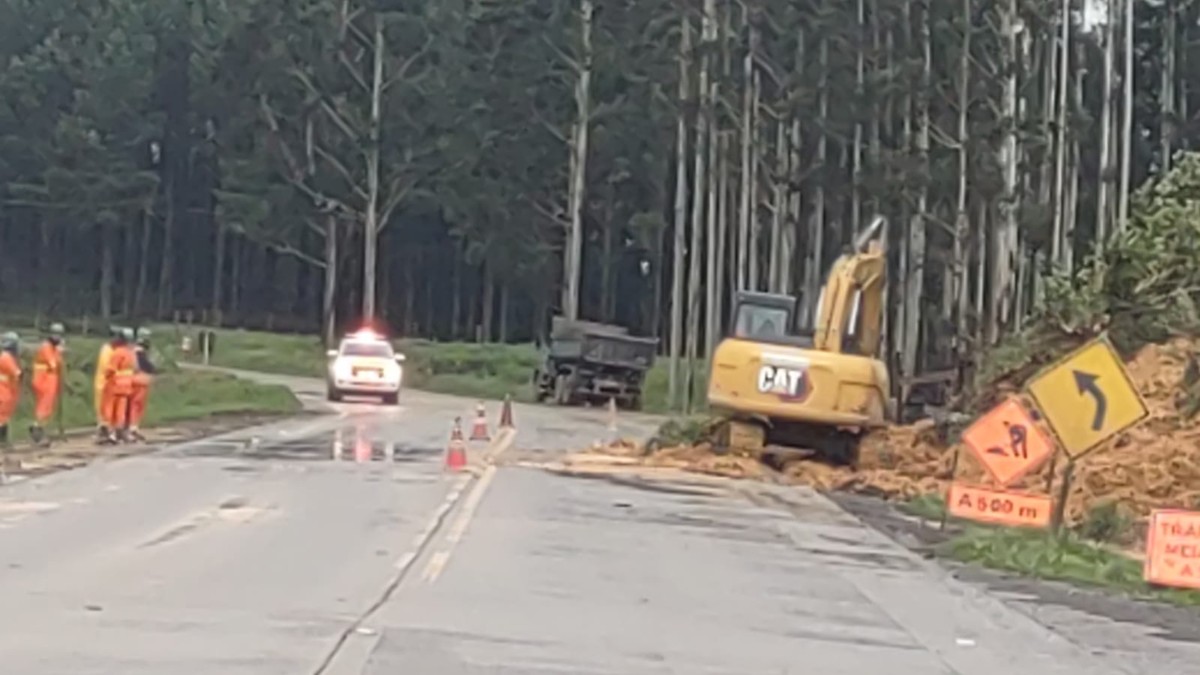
364,364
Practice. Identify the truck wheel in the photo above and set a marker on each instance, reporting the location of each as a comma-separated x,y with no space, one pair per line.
391,399
333,394
562,390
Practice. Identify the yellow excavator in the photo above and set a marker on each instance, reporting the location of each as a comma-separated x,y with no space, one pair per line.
820,389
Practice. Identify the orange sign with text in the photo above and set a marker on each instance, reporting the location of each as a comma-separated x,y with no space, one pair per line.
1007,442
996,506
1173,549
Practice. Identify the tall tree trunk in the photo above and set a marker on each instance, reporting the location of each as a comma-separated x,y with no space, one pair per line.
218,274
1058,235
915,278
755,225
107,273
1004,252
1126,121
983,317
792,221
816,224
713,244
237,250
962,226
745,216
1166,96
129,242
329,292
505,297
372,226
456,289
572,267
717,321
778,208
488,298
681,138
1105,167
860,93
166,280
700,181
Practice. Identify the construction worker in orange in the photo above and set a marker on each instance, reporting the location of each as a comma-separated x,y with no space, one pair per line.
98,386
10,383
141,383
47,383
118,386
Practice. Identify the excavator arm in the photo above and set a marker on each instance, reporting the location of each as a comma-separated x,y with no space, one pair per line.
850,312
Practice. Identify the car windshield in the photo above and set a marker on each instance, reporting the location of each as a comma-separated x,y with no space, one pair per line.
381,350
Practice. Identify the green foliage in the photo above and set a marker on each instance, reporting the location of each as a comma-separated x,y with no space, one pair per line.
1066,558
1106,522
1141,287
928,506
685,431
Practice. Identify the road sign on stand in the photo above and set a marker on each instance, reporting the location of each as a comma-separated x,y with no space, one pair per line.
1087,397
1007,442
998,507
1173,549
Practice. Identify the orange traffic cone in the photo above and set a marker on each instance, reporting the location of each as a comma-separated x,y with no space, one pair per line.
506,420
479,430
362,449
456,451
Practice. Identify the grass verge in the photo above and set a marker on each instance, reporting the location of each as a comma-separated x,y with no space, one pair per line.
1075,557
1067,558
488,371
176,396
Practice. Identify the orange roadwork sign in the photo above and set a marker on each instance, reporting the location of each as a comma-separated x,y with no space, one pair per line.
1001,508
1007,442
1173,549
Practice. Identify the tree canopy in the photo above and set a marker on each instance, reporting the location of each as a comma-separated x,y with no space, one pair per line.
437,165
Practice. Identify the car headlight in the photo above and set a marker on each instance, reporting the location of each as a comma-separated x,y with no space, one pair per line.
341,370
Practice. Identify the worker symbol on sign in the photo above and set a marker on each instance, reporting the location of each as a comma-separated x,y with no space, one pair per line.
1016,442
1007,442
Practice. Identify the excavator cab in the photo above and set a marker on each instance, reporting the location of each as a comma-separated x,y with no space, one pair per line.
815,389
767,317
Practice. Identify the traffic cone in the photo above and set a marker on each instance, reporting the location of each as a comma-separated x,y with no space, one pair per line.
506,420
362,449
612,414
479,431
456,451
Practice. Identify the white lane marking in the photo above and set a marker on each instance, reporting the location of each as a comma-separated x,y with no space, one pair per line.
437,563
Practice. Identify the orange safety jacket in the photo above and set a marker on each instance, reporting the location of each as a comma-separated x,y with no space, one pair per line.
121,368
10,377
48,361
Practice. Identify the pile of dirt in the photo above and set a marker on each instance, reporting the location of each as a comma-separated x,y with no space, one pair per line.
1154,465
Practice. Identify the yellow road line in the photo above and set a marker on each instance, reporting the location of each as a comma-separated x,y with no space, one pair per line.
438,561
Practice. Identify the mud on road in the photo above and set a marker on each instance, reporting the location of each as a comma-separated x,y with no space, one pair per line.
79,448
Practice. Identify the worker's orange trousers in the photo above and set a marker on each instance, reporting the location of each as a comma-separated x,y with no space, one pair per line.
116,409
137,404
45,395
8,406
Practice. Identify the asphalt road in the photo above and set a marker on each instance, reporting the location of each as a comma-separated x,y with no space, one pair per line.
338,545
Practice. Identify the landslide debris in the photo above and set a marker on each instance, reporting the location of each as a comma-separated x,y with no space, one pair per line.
1142,291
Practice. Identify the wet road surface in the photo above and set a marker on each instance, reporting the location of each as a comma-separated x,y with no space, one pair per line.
338,545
